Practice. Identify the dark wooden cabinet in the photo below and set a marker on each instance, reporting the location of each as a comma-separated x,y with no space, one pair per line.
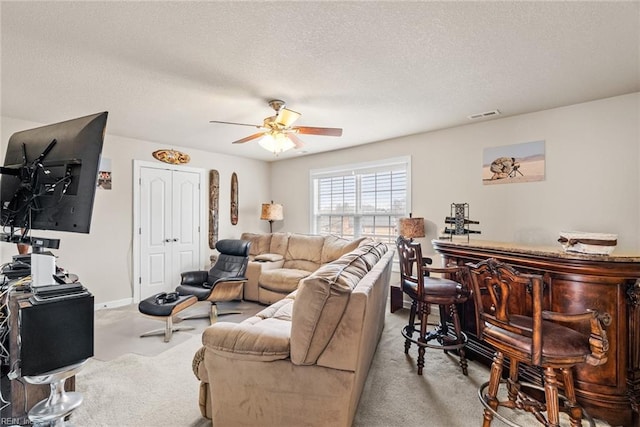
574,282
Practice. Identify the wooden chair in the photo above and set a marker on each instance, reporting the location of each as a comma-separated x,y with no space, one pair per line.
535,340
425,290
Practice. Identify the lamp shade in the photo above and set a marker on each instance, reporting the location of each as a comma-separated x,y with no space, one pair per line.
286,117
411,227
272,212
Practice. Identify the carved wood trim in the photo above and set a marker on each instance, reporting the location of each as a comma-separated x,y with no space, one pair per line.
633,294
633,372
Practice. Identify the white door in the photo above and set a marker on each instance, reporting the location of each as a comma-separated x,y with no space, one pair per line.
185,235
169,228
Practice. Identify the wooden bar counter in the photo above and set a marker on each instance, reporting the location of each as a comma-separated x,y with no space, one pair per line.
574,282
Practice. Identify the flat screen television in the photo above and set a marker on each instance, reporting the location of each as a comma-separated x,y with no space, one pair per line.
49,177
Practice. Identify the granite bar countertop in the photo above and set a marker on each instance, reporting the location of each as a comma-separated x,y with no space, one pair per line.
522,248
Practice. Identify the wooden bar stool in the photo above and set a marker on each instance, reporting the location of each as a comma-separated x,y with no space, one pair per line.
425,290
535,340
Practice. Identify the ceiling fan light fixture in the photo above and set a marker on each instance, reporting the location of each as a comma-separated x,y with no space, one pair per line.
286,117
276,143
278,133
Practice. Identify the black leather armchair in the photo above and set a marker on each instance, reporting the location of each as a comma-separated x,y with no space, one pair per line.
224,281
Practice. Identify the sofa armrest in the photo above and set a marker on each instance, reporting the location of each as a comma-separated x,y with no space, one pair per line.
251,287
254,269
269,258
199,369
255,339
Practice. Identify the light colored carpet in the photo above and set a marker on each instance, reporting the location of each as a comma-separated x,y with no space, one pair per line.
158,388
117,331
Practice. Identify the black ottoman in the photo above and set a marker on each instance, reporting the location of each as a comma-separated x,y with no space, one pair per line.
164,309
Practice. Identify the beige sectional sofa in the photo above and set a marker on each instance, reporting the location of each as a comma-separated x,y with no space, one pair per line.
278,261
302,361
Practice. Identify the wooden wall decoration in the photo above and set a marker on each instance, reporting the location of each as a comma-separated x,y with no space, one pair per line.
172,157
214,200
234,199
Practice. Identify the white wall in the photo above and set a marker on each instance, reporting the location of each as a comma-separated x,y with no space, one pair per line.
592,184
103,258
592,178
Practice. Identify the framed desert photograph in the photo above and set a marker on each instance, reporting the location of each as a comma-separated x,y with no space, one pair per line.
513,163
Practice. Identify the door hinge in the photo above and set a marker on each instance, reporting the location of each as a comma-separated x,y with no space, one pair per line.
140,280
140,230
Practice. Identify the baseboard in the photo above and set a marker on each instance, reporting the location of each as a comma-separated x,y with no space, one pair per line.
113,304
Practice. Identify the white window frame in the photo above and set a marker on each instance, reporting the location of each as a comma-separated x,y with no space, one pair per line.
404,162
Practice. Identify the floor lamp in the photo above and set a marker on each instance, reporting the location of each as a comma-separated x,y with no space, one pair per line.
408,228
272,212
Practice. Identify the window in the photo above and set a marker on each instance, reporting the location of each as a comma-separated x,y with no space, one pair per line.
362,200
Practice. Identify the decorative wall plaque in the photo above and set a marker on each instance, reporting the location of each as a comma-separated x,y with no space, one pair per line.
214,196
171,156
234,199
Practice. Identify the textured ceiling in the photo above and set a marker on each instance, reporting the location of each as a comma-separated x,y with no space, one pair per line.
378,70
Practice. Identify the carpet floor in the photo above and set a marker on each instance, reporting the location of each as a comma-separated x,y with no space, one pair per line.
137,382
117,331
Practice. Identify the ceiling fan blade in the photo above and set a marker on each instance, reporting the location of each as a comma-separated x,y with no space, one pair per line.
249,138
286,117
234,123
296,141
318,131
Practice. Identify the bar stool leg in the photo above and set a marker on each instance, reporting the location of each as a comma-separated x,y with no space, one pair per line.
459,337
411,325
551,396
513,386
575,410
494,382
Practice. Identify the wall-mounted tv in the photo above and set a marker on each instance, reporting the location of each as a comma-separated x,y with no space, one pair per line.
49,176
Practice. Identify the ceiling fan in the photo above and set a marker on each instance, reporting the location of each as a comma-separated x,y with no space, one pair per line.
278,133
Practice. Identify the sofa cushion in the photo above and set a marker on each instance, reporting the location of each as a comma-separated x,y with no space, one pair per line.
282,280
304,252
264,337
322,298
260,243
334,247
279,243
